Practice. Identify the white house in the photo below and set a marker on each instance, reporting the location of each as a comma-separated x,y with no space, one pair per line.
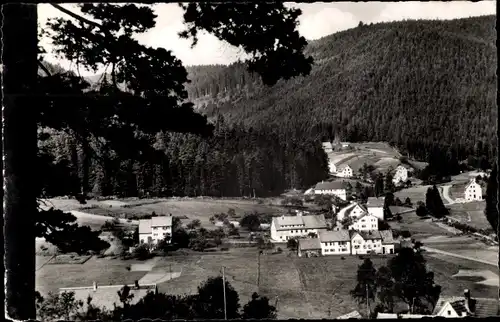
335,188
473,191
332,167
309,247
363,242
366,222
401,174
375,207
327,146
463,306
335,242
286,227
155,229
344,171
353,212
388,242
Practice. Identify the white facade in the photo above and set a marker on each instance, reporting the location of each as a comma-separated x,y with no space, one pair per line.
285,227
401,175
332,167
335,243
360,245
341,193
345,172
153,230
473,191
357,211
388,248
377,212
365,223
449,312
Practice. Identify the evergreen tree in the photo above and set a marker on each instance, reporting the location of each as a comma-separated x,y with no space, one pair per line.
491,208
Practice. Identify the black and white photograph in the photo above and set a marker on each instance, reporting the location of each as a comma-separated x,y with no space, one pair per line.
250,160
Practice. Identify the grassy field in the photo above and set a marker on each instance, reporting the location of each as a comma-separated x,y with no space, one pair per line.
457,190
304,287
473,211
414,193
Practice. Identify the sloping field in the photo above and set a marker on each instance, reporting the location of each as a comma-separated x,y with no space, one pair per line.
471,213
414,193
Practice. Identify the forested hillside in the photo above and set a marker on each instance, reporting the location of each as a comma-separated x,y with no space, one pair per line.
420,85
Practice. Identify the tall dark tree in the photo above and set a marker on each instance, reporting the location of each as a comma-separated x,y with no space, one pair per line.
211,300
385,289
366,286
259,308
413,284
379,185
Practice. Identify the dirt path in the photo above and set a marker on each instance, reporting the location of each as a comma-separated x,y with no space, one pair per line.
446,195
84,215
438,251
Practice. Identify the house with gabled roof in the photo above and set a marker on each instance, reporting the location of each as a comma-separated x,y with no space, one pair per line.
335,188
309,247
344,171
285,227
366,222
466,306
364,242
473,191
335,242
375,207
388,241
155,229
401,173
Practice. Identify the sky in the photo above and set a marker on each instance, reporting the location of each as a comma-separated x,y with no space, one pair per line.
318,19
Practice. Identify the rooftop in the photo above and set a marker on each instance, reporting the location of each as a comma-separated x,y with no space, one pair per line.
307,222
330,185
387,236
348,211
366,235
145,225
309,244
334,236
107,295
481,307
375,202
350,315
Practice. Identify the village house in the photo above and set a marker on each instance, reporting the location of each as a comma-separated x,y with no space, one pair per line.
344,171
327,147
309,247
335,188
286,227
153,230
401,174
455,306
366,222
335,242
388,242
473,191
332,167
363,242
106,296
375,207
354,210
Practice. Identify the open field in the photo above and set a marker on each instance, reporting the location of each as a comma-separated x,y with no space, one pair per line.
414,193
471,213
457,190
305,287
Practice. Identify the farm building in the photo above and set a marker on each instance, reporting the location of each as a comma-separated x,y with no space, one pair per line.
344,171
286,227
473,191
106,296
151,231
402,173
335,188
388,242
309,247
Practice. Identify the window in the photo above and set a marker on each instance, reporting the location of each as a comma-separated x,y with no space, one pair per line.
281,237
363,226
449,312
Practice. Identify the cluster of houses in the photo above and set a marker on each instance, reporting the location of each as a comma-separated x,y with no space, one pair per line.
317,238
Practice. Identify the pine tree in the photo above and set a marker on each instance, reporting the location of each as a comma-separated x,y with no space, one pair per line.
491,209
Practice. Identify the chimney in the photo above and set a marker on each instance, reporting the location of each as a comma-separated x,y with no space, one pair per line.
468,300
282,217
95,286
136,282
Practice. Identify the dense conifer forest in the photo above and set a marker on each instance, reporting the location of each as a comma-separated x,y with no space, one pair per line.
419,85
423,86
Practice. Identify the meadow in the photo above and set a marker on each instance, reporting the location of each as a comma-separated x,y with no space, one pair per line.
414,193
302,287
470,213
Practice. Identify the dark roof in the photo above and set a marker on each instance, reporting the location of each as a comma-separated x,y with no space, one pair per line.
305,222
387,236
330,185
309,244
375,202
367,234
334,236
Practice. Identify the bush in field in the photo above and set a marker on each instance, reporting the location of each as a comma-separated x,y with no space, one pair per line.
250,222
292,244
142,252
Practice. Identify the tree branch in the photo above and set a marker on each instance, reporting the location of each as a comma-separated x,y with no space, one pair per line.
78,17
42,66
